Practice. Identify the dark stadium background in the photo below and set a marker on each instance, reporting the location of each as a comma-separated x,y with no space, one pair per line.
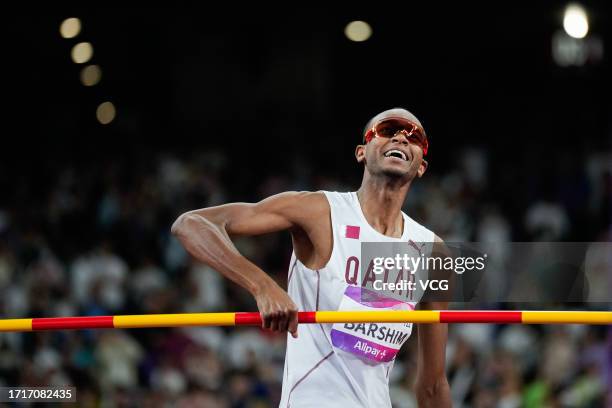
240,103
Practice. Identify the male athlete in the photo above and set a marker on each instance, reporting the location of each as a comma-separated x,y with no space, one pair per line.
339,365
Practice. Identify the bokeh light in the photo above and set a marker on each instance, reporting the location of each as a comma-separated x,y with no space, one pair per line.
358,31
91,75
106,113
70,27
82,52
575,21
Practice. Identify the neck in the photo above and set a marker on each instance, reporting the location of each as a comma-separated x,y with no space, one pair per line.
381,200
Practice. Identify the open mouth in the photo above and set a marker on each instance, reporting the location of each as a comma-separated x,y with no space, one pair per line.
397,154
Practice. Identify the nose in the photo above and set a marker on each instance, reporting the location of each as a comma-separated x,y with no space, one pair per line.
401,137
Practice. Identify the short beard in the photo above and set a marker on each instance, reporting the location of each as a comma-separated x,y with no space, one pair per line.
392,176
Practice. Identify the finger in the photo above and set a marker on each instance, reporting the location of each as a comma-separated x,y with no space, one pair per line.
283,323
293,324
274,322
266,321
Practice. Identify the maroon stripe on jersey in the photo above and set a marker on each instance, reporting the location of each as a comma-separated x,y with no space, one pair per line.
306,375
291,272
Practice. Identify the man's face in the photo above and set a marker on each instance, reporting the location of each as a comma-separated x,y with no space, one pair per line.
398,156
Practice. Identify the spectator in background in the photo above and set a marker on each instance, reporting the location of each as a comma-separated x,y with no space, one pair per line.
47,267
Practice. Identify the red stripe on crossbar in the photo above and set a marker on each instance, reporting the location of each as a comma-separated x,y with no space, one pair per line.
254,319
66,323
480,316
248,319
307,317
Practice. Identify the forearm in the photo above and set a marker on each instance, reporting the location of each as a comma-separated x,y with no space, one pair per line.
435,394
432,389
209,243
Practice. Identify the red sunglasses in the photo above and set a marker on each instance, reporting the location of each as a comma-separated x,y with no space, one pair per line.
388,128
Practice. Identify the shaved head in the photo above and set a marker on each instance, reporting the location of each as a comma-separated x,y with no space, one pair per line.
399,113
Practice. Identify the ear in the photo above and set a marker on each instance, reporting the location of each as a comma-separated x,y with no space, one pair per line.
360,153
422,168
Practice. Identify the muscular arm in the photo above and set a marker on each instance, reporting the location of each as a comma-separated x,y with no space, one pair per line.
205,234
432,389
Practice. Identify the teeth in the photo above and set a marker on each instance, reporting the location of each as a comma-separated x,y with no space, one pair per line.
390,152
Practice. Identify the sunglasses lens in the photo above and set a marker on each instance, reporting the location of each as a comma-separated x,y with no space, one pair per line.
390,128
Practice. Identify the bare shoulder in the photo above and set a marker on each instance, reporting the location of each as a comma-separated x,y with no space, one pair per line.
314,199
440,248
312,232
304,205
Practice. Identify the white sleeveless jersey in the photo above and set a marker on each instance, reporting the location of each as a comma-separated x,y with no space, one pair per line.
343,365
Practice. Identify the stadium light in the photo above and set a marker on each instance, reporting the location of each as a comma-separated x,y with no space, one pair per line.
575,21
82,52
70,27
105,113
358,31
91,75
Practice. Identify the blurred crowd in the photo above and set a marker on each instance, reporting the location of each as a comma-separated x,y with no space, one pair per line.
94,239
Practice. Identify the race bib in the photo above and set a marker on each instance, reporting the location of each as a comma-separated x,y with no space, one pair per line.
373,341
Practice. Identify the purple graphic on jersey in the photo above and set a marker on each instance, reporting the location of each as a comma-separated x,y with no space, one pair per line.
352,231
361,347
372,299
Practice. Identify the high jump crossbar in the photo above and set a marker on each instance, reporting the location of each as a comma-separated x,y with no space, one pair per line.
254,319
